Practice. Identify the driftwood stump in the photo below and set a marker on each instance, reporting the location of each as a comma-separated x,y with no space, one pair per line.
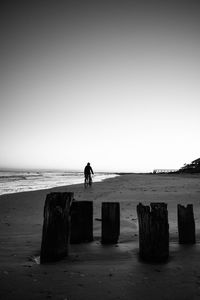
110,222
56,227
81,222
186,224
153,232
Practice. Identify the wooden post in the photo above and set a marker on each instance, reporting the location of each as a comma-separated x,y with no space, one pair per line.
81,222
110,222
56,227
153,232
186,224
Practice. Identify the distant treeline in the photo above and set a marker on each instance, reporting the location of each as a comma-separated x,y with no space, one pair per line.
193,167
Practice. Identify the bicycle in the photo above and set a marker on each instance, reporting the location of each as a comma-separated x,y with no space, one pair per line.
88,181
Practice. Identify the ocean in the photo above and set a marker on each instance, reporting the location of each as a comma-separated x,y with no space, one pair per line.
21,181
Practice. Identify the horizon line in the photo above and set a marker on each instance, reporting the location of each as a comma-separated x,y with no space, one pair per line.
2,169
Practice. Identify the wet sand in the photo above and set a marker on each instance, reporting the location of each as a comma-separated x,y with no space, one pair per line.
93,271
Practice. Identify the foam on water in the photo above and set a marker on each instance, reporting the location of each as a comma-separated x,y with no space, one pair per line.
18,181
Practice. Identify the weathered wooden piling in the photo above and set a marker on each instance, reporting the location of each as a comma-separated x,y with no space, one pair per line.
56,227
110,212
186,224
153,232
81,222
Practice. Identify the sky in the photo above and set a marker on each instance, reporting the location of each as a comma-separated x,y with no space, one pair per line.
113,83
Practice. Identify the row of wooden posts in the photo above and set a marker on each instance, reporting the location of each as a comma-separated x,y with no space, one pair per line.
67,220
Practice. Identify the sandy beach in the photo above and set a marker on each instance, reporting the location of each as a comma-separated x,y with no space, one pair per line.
93,271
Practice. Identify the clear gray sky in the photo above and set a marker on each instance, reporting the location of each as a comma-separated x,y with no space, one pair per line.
115,83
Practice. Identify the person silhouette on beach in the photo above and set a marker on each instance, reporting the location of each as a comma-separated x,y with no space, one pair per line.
87,172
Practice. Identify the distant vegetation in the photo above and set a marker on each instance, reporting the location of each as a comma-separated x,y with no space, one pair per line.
193,167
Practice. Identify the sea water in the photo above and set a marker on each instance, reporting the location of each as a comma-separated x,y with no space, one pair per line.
20,181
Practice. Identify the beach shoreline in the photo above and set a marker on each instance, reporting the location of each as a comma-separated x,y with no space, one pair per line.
92,270
26,181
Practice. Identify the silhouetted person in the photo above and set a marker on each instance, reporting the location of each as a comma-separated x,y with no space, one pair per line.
87,172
